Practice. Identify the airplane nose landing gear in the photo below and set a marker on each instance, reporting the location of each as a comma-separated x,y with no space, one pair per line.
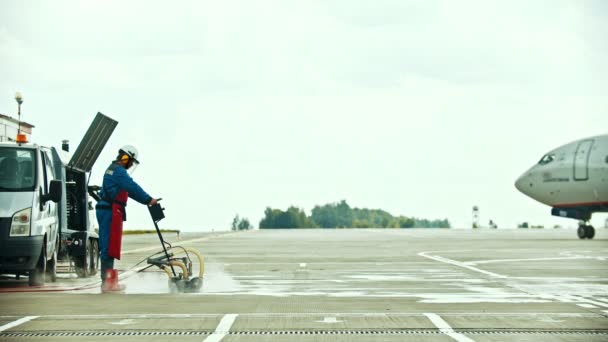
585,231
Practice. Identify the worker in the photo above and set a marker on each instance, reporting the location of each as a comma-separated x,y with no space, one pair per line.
116,189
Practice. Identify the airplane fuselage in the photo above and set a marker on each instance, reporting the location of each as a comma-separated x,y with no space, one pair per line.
572,179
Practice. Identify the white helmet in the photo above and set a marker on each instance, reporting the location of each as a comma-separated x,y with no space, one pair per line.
131,151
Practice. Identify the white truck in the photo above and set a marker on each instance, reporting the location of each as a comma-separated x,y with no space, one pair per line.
44,207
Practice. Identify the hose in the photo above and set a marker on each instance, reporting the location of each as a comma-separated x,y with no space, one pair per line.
201,259
178,264
179,250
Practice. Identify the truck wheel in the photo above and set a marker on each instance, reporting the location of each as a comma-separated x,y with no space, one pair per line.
94,261
37,275
82,263
51,266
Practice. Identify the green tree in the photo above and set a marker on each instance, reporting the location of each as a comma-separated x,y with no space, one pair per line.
361,224
333,215
292,218
270,218
406,222
235,222
342,215
244,225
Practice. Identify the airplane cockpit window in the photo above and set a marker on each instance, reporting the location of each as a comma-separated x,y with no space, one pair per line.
546,159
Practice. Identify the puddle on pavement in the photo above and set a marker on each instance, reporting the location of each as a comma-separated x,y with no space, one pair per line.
216,280
147,282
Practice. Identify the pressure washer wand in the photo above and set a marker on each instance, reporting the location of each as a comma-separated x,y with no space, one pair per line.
157,214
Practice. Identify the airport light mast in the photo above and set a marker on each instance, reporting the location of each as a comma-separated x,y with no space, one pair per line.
475,217
21,138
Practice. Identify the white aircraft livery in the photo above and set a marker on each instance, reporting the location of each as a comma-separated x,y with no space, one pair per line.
573,180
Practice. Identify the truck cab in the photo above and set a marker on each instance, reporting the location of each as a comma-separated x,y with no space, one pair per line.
45,206
30,192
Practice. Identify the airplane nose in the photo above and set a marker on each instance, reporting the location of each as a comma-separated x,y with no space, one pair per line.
522,183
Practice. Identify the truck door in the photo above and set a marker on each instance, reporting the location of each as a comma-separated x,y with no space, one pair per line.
49,209
581,160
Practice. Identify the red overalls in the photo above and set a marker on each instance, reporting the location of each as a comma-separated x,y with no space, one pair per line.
119,215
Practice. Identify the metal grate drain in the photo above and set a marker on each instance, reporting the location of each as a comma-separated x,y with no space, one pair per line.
303,332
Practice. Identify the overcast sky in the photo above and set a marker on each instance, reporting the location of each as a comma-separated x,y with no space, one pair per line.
421,108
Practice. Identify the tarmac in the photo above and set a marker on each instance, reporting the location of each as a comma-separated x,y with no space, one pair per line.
335,285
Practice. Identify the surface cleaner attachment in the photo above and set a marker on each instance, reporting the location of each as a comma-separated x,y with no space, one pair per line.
178,269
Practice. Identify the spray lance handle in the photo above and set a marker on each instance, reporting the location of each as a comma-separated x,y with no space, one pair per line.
156,211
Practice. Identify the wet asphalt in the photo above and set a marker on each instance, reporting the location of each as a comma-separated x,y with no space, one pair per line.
328,285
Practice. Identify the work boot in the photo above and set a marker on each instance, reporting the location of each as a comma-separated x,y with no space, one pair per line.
111,284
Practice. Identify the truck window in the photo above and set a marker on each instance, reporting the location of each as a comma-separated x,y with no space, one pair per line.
50,173
44,173
17,171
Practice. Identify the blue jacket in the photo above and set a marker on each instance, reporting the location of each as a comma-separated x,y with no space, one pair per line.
115,179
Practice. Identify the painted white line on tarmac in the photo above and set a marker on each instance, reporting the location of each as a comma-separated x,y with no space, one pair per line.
179,242
587,306
460,264
585,300
601,300
446,329
330,320
491,261
317,314
156,248
222,329
17,322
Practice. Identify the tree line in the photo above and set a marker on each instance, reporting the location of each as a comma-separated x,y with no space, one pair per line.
341,215
241,223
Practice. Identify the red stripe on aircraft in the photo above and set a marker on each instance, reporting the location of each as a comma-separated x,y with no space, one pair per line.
586,204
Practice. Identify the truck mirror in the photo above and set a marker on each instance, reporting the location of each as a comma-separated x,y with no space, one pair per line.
55,192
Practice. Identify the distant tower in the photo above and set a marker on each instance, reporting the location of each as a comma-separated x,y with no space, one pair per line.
475,217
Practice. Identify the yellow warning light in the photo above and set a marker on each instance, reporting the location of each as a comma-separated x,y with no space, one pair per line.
21,139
